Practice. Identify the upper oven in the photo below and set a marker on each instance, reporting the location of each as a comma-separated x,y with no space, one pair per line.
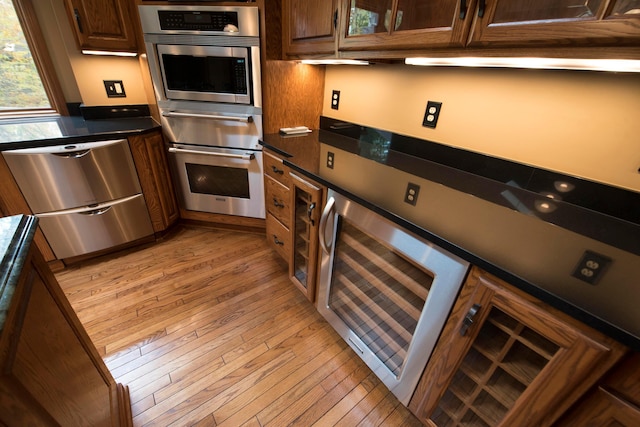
203,54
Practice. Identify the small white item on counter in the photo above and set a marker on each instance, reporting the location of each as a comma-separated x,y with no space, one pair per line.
295,130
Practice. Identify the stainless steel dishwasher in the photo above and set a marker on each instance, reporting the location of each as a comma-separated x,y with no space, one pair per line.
87,196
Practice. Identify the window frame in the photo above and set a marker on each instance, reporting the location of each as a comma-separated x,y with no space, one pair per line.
40,54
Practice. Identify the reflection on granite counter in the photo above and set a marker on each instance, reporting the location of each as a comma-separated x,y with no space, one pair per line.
37,132
526,225
16,233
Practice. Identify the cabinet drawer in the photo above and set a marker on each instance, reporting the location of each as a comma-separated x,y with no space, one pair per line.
277,200
279,237
274,168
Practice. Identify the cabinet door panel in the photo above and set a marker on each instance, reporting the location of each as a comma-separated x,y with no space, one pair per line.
102,24
503,359
556,23
309,26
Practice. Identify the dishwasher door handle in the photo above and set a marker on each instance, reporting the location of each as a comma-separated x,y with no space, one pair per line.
248,156
242,119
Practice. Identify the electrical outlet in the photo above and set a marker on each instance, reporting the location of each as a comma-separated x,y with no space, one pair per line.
431,114
114,88
330,160
335,99
411,195
591,267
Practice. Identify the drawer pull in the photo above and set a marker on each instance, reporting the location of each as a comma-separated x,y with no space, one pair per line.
312,206
276,170
468,319
277,241
277,204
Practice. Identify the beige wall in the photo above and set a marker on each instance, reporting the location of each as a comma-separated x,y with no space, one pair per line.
82,75
585,124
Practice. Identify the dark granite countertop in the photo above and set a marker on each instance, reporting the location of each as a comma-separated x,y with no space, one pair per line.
28,133
16,234
543,223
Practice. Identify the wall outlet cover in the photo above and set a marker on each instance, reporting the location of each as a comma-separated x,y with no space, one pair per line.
431,114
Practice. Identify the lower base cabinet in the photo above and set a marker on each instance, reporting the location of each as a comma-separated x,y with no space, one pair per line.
506,359
51,373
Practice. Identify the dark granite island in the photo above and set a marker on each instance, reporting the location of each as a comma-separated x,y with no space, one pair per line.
51,373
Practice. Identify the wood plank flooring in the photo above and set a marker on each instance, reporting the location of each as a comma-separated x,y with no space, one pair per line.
207,330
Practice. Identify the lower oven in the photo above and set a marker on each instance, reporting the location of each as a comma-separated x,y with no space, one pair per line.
219,180
386,291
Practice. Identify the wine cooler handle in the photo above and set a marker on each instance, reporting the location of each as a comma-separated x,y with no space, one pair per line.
330,206
312,206
468,319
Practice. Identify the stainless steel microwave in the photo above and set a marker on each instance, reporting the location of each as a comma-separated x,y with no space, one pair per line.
203,53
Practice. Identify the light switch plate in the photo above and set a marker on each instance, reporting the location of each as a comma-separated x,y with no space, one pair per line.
114,88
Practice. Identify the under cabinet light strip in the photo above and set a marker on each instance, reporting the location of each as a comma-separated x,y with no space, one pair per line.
617,65
334,62
107,53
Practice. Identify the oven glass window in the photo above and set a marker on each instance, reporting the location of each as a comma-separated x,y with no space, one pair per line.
211,74
218,180
378,293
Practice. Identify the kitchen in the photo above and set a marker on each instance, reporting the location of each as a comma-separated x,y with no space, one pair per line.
482,110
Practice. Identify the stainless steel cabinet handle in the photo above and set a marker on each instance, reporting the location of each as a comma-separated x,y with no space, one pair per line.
463,9
330,206
248,156
468,319
73,154
312,206
78,21
95,212
243,119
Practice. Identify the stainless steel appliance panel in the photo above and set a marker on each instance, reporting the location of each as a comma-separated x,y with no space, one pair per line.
83,230
386,291
62,177
219,180
215,127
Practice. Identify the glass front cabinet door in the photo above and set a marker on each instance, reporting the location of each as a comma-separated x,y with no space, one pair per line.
556,22
307,204
404,24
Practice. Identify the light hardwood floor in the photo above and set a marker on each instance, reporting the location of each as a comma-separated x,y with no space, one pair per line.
206,329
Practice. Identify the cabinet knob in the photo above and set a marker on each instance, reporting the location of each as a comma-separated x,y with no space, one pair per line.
468,319
277,204
277,241
276,170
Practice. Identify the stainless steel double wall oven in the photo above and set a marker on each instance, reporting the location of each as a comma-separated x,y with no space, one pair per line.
205,67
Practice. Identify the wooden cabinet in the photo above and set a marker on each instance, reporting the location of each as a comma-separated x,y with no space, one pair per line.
306,205
277,185
309,27
293,206
149,156
556,22
417,24
390,27
506,359
103,24
51,373
614,402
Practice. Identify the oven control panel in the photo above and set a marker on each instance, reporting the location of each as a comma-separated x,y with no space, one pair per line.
198,20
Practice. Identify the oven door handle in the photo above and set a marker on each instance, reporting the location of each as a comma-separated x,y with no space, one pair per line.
243,119
248,156
330,206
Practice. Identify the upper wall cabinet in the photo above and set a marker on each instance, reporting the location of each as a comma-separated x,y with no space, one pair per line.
406,24
102,24
309,27
556,22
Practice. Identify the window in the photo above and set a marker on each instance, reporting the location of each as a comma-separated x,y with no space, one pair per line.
28,86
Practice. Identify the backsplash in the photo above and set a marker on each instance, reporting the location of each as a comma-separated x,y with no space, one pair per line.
578,123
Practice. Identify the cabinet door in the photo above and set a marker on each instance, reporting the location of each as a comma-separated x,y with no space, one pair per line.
149,156
416,23
556,22
505,359
309,27
102,24
307,203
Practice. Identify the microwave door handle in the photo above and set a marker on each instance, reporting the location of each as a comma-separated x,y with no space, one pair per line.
248,156
243,119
